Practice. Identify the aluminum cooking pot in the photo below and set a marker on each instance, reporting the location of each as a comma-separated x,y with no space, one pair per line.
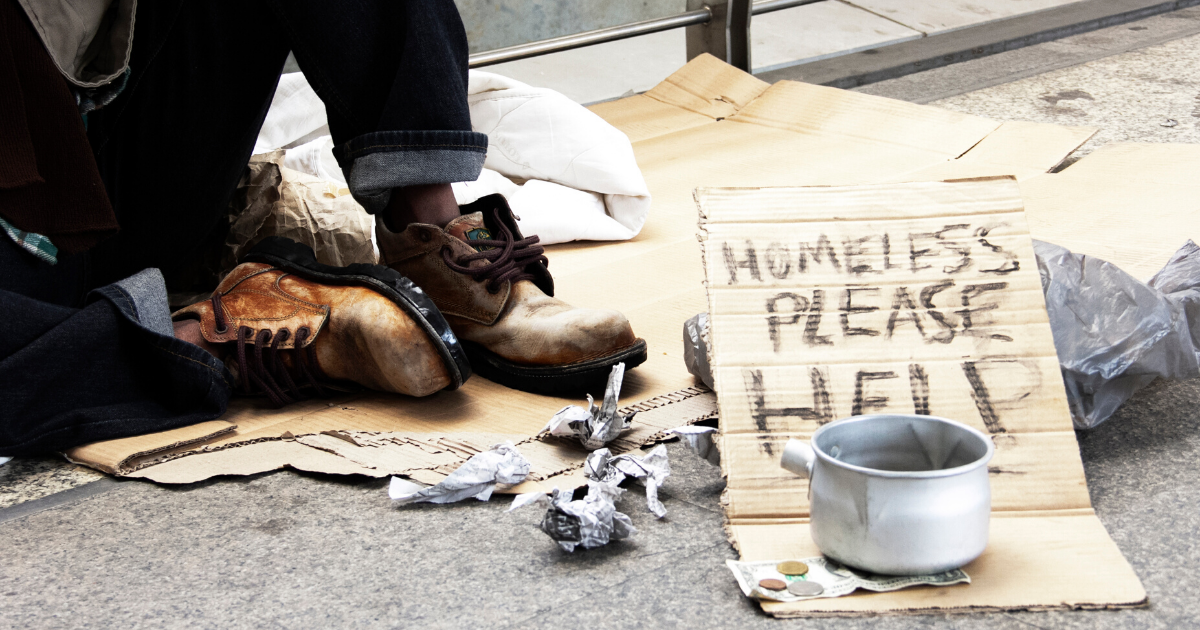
896,494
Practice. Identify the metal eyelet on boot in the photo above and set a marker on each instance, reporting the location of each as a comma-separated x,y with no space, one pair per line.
424,236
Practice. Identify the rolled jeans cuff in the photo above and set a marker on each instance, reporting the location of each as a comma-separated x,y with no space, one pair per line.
377,162
142,299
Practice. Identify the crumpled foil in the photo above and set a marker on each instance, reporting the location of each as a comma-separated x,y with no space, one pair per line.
1115,334
699,440
477,477
652,469
594,520
589,522
695,348
595,426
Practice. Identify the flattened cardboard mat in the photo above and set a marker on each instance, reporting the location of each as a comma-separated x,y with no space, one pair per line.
709,124
829,302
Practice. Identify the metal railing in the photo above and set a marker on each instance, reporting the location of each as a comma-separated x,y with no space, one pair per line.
718,27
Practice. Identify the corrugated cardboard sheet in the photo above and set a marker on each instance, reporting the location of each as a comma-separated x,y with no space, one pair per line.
363,436
712,125
1130,204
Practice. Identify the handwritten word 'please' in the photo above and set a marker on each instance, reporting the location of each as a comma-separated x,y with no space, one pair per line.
909,307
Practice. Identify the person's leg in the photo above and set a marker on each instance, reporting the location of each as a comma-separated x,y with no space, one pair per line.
111,369
433,204
172,147
393,76
396,94
77,367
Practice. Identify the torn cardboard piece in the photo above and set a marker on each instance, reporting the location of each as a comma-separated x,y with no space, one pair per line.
423,456
1132,205
708,124
1021,149
123,456
903,298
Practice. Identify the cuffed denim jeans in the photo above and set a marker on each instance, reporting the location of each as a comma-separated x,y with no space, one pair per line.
86,352
110,369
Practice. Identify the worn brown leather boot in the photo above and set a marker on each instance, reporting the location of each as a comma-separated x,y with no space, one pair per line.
290,325
493,287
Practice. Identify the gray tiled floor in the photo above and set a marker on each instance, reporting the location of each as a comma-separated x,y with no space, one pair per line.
1149,94
291,550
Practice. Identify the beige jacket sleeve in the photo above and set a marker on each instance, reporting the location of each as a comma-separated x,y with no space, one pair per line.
89,40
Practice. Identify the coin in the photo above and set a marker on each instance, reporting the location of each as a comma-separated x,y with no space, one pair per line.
772,584
804,588
792,567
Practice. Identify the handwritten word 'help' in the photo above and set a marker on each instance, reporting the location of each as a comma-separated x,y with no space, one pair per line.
1007,372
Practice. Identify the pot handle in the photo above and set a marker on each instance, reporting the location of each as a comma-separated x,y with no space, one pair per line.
798,457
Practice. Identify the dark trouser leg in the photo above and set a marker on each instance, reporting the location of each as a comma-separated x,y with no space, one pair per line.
393,76
172,146
171,149
111,369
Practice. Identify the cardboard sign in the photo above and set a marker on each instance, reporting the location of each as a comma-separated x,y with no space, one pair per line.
908,298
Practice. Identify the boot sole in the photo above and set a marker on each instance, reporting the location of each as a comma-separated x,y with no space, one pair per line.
299,259
575,378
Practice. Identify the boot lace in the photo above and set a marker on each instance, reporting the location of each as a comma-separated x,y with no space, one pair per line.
507,258
262,369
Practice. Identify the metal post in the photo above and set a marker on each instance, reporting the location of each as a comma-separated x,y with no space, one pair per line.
726,36
737,33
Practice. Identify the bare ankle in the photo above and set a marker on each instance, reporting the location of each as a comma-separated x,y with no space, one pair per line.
189,330
431,204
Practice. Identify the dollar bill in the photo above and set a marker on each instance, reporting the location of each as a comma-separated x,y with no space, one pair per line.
837,579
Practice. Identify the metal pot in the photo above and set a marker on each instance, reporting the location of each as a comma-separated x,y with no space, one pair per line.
896,494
